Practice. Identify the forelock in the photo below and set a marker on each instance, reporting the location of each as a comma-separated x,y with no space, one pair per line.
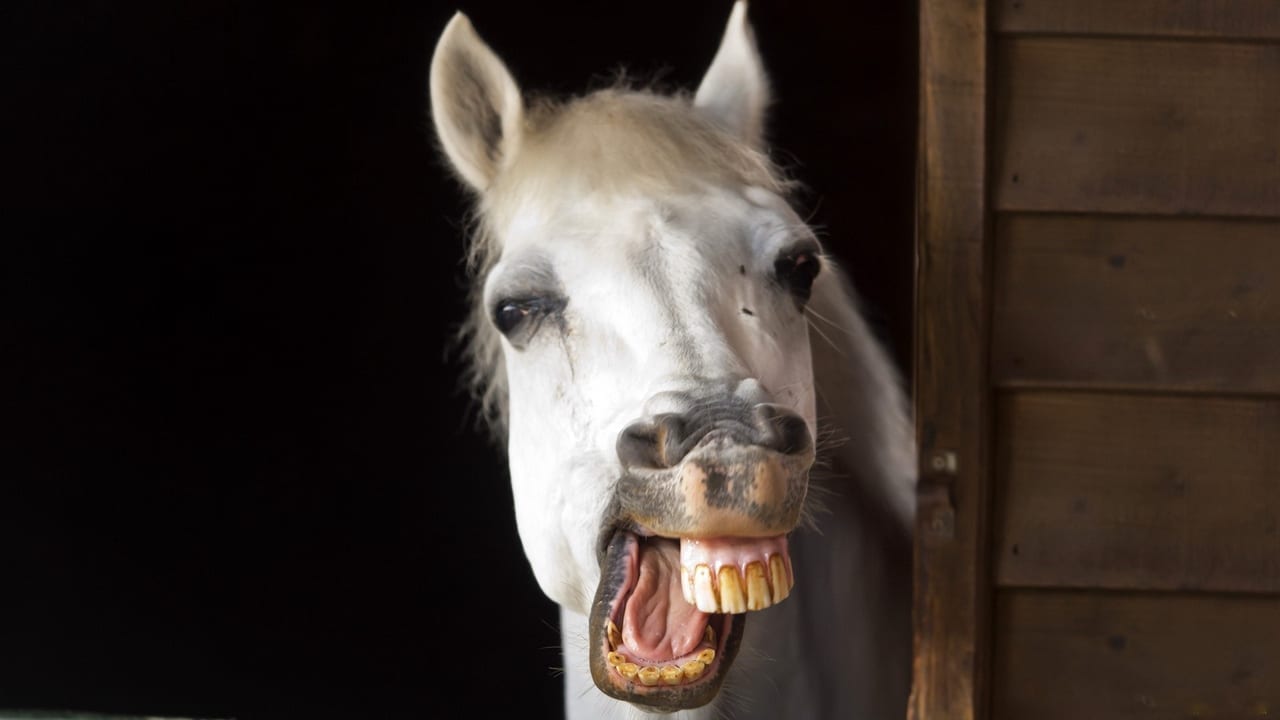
623,141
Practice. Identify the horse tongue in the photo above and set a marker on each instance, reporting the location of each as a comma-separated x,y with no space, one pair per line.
658,623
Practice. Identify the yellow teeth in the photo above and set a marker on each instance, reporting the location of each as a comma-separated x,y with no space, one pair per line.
667,675
709,635
693,669
778,576
649,675
732,599
758,597
615,636
729,590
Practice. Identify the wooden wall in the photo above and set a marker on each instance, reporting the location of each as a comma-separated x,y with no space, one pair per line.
1125,554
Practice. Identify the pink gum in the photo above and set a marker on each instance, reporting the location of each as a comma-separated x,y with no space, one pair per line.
738,552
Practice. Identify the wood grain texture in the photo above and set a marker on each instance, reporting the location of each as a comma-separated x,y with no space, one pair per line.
1067,656
951,386
1149,127
1234,19
1138,492
1137,302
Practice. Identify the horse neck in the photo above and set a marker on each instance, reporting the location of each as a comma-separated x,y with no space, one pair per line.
863,411
840,646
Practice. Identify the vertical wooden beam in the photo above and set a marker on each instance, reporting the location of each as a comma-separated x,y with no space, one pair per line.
951,376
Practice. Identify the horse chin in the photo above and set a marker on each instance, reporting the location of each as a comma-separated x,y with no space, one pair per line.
690,676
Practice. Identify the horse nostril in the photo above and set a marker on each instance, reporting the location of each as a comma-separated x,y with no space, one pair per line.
659,444
782,430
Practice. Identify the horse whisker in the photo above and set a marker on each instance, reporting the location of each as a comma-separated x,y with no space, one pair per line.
829,341
808,309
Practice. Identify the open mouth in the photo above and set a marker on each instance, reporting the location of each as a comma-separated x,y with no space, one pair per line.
668,618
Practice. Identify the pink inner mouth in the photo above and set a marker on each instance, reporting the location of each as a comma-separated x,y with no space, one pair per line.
657,622
658,626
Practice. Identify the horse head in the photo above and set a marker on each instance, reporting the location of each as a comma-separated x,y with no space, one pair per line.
640,334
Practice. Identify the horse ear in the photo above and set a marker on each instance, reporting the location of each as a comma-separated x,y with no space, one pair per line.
735,90
475,104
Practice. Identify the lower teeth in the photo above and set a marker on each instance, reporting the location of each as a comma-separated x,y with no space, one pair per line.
669,674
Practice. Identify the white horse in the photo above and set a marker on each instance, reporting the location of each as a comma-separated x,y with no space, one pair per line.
666,351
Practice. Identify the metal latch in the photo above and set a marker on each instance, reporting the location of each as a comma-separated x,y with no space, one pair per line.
935,497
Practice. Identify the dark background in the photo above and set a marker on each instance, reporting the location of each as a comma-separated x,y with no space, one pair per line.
238,478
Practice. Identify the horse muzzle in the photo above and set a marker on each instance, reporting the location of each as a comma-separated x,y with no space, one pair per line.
704,505
728,470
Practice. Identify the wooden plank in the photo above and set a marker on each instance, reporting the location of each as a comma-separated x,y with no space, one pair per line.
1138,492
1117,126
950,368
1137,302
1231,19
1067,656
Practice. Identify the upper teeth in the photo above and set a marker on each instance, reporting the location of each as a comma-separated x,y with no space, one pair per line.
730,590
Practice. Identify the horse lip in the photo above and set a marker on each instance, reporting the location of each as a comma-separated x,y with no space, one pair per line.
623,548
719,489
667,698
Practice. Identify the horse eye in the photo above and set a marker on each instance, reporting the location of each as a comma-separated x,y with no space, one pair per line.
510,313
796,271
512,316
